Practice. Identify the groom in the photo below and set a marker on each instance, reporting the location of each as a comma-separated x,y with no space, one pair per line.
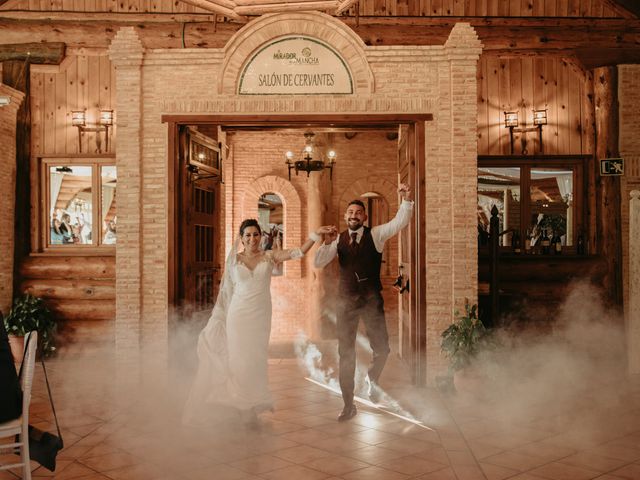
359,252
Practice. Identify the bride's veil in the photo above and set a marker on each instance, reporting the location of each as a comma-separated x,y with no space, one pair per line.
212,373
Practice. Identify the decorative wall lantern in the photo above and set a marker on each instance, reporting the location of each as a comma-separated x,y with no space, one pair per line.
79,120
312,158
511,122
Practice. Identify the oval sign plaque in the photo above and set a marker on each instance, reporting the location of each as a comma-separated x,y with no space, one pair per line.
295,65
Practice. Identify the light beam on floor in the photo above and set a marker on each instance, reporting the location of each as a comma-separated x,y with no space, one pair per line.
372,405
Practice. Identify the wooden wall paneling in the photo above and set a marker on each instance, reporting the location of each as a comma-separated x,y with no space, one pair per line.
37,112
588,126
538,95
72,104
82,79
402,7
515,100
562,8
575,90
564,122
494,107
514,8
425,8
93,99
492,7
459,8
414,8
551,90
483,7
378,7
550,8
470,7
391,7
537,8
505,101
60,113
104,93
447,7
526,8
528,102
503,8
436,7
49,113
573,8
483,110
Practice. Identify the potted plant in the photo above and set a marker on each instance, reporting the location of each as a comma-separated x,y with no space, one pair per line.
30,313
461,342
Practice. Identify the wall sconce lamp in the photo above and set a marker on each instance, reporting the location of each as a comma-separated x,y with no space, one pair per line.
4,100
511,122
79,120
311,159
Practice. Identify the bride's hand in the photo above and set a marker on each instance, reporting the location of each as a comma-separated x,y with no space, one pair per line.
328,232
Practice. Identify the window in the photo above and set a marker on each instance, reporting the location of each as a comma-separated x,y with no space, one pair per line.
534,198
80,209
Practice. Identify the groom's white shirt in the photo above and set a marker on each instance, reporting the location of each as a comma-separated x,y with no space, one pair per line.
379,233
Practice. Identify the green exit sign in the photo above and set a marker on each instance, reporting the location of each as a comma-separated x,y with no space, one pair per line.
612,166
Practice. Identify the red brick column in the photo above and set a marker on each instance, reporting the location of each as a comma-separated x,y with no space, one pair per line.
8,115
126,53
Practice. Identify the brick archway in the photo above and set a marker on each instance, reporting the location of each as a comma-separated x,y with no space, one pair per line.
291,205
314,24
372,183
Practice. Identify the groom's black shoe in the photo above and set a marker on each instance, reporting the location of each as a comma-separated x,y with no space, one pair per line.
348,412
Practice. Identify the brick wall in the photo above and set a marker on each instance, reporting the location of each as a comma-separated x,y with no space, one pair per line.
629,145
438,80
8,115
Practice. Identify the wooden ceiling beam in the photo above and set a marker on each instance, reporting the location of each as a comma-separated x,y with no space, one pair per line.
41,53
500,35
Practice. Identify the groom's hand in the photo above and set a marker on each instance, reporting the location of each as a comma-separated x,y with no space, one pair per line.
331,234
404,191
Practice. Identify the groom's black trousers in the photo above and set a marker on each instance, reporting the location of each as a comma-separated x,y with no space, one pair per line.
369,307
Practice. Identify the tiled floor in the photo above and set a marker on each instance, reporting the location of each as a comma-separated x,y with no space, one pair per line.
582,427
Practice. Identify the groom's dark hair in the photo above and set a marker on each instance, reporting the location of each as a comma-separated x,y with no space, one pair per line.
249,222
357,202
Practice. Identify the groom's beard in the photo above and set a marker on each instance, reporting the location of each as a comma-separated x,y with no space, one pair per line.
354,224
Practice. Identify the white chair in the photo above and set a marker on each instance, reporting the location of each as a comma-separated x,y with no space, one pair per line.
20,426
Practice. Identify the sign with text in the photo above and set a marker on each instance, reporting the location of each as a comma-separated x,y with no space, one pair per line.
295,65
611,166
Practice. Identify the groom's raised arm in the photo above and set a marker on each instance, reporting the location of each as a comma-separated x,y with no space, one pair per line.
328,250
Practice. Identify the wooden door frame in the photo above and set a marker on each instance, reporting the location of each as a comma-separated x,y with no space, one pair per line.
310,121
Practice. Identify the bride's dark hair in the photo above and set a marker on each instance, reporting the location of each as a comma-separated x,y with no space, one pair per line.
249,222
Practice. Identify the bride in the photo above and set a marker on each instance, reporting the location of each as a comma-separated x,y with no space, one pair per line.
233,347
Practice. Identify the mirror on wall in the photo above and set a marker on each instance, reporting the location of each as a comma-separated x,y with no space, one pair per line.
271,220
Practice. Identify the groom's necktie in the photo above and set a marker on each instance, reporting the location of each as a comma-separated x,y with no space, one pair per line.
354,244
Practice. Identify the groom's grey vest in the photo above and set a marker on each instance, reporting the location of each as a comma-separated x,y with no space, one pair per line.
359,270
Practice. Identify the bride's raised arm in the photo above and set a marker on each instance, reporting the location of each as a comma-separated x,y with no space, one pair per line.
293,253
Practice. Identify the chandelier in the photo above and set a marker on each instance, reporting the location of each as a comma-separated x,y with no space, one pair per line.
312,158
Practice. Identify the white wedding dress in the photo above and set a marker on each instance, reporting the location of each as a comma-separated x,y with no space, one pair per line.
233,347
